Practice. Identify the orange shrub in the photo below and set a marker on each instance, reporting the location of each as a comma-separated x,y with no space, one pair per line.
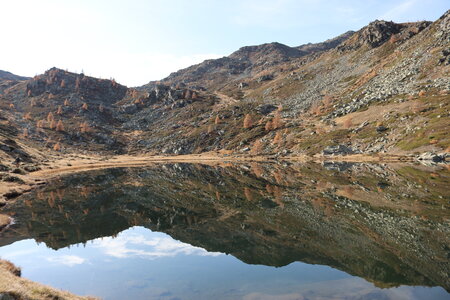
59,126
257,147
268,126
278,138
50,117
57,146
277,120
248,123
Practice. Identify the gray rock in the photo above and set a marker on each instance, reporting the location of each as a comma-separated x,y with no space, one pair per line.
381,128
265,78
337,150
433,157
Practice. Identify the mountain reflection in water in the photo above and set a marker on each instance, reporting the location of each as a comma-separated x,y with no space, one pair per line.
386,224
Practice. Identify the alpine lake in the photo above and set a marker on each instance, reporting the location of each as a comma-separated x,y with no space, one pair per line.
239,231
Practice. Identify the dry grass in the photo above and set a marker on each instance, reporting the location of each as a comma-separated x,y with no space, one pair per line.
20,288
4,221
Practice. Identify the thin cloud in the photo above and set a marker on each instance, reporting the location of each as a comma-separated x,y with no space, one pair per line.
398,11
67,260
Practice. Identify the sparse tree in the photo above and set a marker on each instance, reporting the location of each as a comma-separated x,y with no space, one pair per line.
63,83
217,120
59,126
194,95
11,106
40,124
50,117
422,93
248,194
187,94
66,102
248,123
77,83
52,124
27,116
29,93
210,128
278,138
84,127
84,106
277,120
101,108
25,133
59,111
257,147
268,126
57,147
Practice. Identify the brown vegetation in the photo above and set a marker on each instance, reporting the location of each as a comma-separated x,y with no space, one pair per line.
59,126
40,124
268,126
50,117
84,127
277,140
277,120
257,147
57,146
27,116
248,123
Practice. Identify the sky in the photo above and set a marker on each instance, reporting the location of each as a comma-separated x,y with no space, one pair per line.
136,41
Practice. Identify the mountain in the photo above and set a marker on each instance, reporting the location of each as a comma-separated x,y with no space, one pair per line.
382,89
4,75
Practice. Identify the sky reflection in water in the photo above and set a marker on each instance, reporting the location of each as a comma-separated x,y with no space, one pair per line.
142,264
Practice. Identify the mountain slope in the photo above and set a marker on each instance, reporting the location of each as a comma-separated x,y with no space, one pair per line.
384,88
4,75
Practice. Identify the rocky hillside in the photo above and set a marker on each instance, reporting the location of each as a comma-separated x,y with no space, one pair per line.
4,75
382,89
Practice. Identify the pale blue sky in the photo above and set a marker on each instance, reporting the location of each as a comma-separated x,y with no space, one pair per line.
136,41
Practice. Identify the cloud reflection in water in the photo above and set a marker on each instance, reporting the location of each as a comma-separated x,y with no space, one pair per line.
152,247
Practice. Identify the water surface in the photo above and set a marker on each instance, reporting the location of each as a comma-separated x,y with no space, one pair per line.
257,231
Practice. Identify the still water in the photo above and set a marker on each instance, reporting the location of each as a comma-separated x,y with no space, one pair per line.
257,231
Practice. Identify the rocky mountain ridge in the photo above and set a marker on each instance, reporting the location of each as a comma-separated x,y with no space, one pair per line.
270,99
